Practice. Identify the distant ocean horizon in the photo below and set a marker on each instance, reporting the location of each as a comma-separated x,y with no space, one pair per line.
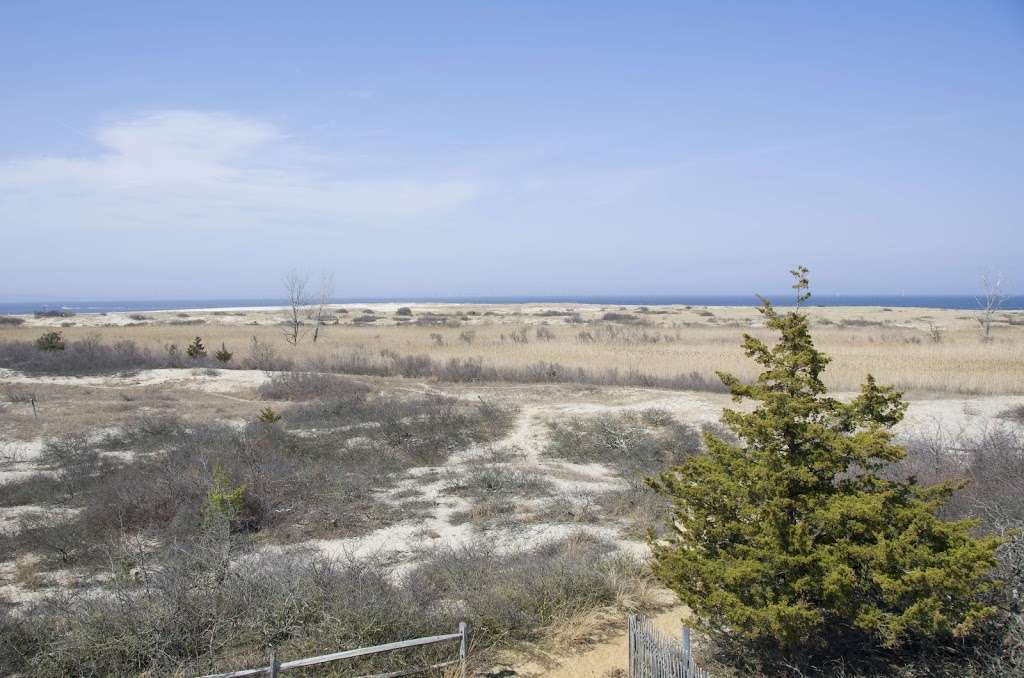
939,301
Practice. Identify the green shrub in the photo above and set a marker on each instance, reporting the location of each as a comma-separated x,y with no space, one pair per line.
268,416
51,341
224,502
795,544
196,350
223,355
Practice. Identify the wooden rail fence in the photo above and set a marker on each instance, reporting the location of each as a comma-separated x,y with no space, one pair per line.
652,654
275,667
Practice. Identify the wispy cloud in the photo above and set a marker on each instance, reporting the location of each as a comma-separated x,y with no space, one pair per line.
194,169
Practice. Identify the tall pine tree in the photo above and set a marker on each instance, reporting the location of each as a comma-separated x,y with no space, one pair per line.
793,541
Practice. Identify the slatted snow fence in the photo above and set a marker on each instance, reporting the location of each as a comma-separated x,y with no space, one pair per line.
653,654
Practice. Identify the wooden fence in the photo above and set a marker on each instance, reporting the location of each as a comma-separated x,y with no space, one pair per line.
277,667
652,654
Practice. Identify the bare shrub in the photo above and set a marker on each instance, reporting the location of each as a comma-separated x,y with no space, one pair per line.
311,386
80,357
146,433
545,333
11,320
1014,414
632,442
35,489
207,604
26,573
263,356
74,458
484,482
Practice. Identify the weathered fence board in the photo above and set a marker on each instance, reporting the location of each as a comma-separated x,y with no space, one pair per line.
652,654
276,667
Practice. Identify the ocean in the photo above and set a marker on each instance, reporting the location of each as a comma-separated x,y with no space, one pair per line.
963,302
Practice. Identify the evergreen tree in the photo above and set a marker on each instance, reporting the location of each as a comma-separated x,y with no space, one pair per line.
51,341
223,355
792,541
196,350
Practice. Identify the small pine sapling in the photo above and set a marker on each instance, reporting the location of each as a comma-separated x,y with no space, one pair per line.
223,355
196,349
51,341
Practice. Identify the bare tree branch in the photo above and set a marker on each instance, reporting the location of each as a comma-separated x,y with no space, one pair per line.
295,284
993,296
325,293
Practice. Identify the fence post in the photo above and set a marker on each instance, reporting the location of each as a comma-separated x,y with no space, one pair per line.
686,651
274,664
462,649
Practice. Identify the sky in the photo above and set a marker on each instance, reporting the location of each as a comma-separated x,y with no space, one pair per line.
202,149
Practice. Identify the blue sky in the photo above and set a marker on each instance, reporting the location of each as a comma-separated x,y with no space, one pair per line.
200,149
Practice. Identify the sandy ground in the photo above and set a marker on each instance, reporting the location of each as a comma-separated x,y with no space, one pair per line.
606,654
87,403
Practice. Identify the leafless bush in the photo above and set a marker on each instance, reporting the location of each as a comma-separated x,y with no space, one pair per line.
1014,414
612,316
992,463
520,335
80,357
35,489
11,320
311,386
487,482
75,460
635,443
263,356
147,433
199,606
545,333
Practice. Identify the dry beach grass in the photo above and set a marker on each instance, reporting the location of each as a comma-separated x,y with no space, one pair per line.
918,350
417,478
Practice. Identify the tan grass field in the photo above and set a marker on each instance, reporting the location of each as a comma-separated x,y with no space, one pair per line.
954,380
921,351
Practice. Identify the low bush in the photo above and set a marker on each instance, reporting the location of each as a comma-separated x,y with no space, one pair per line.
311,386
636,443
11,320
312,473
263,356
147,433
50,341
79,357
488,482
212,605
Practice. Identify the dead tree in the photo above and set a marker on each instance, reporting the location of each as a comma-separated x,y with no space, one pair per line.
324,298
295,290
992,298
